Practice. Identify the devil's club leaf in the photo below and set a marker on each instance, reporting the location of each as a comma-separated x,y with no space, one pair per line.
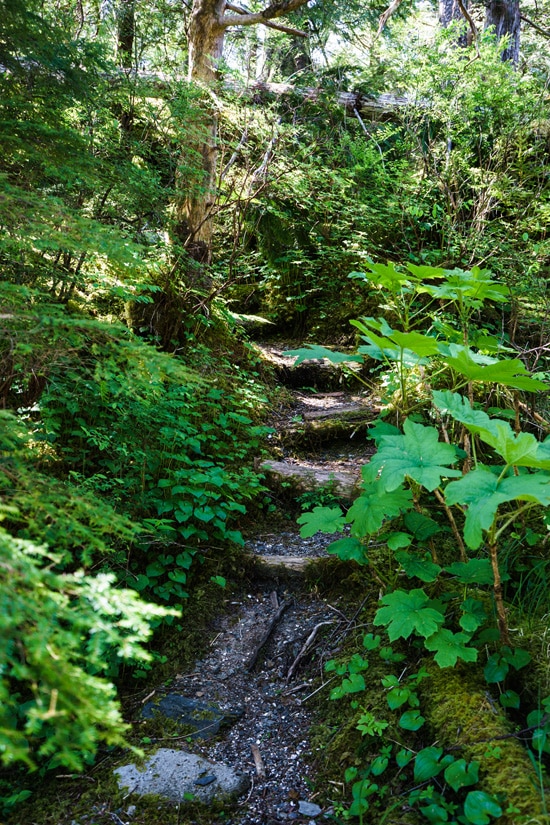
422,568
482,492
405,613
449,647
519,449
510,373
349,549
314,352
374,505
321,519
475,571
417,454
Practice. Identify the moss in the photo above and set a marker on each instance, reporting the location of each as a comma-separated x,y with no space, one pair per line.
462,715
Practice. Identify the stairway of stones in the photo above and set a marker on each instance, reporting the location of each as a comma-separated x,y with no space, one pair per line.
240,720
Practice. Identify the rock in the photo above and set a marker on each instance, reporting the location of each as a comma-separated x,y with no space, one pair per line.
309,808
204,717
176,774
305,477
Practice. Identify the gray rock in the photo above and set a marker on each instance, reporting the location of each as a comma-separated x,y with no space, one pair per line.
309,809
175,773
204,717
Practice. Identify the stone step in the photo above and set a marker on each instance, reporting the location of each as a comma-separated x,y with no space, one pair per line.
319,374
304,476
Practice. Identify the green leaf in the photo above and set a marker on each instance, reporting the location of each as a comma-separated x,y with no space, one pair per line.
496,669
510,372
379,765
354,684
403,757
474,571
397,540
518,658
408,612
321,519
459,774
415,566
397,697
418,454
348,549
411,720
219,580
479,806
426,764
450,647
474,615
517,449
421,345
374,505
509,699
422,527
483,492
316,352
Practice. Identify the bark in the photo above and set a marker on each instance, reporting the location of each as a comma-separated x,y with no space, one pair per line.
449,11
208,24
504,17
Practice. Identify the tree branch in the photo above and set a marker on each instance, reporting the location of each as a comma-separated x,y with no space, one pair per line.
545,32
272,11
277,26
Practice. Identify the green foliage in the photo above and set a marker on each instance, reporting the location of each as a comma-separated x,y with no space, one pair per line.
59,633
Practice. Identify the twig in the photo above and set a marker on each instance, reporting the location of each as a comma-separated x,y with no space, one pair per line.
249,664
305,647
258,761
317,691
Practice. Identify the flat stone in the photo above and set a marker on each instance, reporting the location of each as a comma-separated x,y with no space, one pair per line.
307,477
173,774
205,718
309,808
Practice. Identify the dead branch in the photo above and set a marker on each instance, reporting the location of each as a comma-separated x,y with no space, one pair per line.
252,659
305,648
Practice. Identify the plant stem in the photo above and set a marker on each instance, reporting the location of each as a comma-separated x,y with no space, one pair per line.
452,522
497,589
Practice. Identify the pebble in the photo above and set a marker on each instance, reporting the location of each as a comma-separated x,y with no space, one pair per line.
309,808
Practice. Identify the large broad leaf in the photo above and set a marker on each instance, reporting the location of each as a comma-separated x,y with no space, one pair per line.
422,527
483,492
422,568
349,549
374,505
460,773
474,571
405,613
520,450
510,372
321,519
427,764
417,454
471,287
315,353
387,276
449,647
479,807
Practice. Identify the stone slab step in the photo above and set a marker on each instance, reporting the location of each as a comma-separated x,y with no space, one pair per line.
307,477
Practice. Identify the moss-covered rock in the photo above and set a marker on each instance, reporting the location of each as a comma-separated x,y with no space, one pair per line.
462,714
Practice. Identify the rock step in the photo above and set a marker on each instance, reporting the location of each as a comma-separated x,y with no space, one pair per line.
304,476
320,374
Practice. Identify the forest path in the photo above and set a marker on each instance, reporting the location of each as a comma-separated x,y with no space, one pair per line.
265,660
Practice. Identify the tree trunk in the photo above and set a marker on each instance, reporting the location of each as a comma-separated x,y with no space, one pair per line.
193,212
504,16
449,11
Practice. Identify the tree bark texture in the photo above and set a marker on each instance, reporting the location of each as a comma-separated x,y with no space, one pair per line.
449,11
504,16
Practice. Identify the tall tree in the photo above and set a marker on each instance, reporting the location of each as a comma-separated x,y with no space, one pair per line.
209,22
504,17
